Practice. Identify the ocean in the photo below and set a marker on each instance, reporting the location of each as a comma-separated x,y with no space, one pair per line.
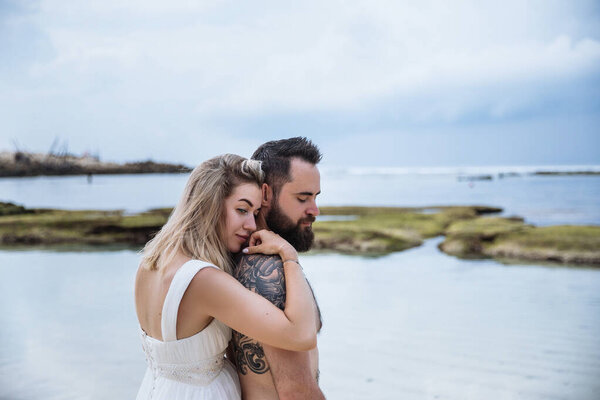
541,200
411,325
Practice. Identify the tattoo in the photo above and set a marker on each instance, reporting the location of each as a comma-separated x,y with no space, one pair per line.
248,354
263,275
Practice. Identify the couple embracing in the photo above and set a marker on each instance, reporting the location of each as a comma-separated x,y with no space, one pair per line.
220,286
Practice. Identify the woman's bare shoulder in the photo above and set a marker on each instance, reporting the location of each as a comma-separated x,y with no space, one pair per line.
209,276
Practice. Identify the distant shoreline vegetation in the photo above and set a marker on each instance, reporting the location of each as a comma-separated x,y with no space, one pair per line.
504,175
469,231
63,163
467,173
24,164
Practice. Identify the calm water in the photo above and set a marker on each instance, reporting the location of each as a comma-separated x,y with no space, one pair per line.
412,325
542,200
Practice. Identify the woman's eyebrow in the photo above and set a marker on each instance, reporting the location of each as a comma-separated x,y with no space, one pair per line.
247,201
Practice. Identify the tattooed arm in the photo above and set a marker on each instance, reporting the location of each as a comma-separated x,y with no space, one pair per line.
291,371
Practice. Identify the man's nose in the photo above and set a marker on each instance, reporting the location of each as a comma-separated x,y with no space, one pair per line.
313,209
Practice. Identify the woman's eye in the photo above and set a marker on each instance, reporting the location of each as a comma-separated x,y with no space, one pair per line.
242,211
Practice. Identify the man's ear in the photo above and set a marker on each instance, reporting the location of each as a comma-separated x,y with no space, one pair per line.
267,195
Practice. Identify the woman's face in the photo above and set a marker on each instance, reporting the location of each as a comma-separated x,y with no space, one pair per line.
241,208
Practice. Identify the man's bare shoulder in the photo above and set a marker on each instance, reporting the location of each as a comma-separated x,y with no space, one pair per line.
262,274
245,262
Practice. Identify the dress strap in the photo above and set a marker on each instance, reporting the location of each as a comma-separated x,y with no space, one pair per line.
179,284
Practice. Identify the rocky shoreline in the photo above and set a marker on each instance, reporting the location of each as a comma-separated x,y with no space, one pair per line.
20,164
470,232
23,164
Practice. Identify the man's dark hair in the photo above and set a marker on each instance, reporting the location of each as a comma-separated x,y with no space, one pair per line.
276,157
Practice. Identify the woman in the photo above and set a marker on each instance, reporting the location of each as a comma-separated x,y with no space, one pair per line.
187,301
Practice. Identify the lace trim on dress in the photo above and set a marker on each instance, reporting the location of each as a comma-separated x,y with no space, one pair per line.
199,373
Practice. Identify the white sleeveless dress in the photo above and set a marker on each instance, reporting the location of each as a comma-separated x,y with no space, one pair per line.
193,368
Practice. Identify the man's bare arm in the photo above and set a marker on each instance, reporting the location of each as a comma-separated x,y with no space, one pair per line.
291,371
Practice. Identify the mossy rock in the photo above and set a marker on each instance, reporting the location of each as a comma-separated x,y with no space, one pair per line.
505,238
485,228
45,226
462,247
363,241
467,238
567,244
383,230
373,231
12,209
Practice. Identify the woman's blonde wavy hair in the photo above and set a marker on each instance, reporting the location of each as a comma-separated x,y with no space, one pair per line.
196,223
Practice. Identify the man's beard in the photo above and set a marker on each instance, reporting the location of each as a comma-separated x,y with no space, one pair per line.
300,238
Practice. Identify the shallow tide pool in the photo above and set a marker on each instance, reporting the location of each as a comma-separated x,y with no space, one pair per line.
411,325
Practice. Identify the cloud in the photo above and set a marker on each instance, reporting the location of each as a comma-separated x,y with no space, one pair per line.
308,59
223,66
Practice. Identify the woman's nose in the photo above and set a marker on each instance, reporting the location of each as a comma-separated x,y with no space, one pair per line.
250,223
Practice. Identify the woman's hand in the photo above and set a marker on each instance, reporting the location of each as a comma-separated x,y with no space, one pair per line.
267,242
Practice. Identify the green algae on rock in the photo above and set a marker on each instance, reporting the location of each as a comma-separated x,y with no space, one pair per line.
382,230
469,231
511,238
567,244
370,231
90,227
12,209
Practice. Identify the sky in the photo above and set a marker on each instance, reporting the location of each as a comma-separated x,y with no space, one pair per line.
373,83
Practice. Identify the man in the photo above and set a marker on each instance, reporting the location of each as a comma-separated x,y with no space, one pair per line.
292,183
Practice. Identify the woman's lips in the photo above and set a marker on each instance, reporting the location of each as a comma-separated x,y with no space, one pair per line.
242,238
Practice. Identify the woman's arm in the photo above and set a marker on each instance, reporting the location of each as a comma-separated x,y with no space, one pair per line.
223,297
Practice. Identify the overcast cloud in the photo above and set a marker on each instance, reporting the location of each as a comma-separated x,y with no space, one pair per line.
374,83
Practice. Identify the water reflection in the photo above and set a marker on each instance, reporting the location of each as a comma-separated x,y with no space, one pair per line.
412,325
